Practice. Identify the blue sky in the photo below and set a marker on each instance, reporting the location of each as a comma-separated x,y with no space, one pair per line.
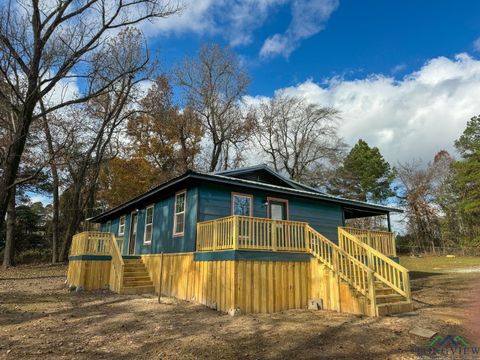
359,38
405,75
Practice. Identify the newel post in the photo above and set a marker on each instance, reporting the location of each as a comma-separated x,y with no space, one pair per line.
371,292
215,236
274,235
235,232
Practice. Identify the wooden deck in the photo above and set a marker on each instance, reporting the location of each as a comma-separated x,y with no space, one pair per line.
354,276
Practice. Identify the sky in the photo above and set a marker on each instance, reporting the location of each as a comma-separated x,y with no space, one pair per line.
405,75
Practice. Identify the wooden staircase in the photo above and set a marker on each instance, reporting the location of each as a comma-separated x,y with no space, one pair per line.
136,279
388,301
373,275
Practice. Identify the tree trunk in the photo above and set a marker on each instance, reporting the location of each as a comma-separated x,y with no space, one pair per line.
56,212
56,183
9,254
14,154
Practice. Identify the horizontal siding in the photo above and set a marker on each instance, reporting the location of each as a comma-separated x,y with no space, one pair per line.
215,202
162,239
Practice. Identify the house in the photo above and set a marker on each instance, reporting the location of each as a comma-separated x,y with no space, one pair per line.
247,239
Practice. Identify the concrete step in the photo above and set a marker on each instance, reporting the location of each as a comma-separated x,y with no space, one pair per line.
388,298
394,308
130,290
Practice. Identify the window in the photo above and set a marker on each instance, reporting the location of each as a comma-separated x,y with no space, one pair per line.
121,225
242,204
108,227
147,238
179,219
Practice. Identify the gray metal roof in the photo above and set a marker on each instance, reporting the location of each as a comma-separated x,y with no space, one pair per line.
219,178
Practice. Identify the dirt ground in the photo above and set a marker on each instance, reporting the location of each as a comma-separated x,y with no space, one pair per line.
40,319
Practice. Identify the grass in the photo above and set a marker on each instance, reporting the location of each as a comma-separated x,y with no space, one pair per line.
439,264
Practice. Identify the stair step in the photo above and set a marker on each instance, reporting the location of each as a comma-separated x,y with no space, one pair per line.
137,283
394,308
144,289
136,277
384,291
388,298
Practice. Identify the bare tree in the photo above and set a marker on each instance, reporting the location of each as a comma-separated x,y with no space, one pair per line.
417,195
299,138
46,44
214,85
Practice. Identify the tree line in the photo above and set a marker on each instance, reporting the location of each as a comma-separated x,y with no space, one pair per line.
77,127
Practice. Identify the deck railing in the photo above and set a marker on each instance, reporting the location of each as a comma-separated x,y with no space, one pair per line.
102,244
382,241
251,233
94,243
91,243
386,270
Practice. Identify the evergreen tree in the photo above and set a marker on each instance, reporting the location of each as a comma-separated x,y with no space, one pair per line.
468,169
468,180
364,175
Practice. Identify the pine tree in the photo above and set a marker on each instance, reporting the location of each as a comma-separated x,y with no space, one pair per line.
364,175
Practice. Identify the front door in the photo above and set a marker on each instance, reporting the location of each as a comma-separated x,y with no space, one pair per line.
277,209
133,234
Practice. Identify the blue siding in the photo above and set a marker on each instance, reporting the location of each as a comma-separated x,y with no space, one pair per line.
207,202
163,239
215,202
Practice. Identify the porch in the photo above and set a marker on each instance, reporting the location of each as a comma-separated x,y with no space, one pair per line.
366,280
263,234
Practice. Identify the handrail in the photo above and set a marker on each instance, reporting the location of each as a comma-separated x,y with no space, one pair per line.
118,265
354,272
386,270
383,241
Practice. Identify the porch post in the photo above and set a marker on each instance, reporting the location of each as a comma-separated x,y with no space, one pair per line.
388,222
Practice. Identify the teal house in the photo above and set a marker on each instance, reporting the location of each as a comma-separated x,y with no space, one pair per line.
244,240
165,218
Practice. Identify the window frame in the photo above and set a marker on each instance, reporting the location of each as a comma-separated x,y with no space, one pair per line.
145,242
124,217
175,233
109,226
232,202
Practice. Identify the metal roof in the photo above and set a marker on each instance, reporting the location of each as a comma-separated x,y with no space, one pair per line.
219,178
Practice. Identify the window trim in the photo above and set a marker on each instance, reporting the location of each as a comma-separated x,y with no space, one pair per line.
178,234
124,217
232,196
145,228
109,226
278,200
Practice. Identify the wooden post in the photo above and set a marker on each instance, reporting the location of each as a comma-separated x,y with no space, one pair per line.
215,236
306,239
160,279
274,235
371,292
235,232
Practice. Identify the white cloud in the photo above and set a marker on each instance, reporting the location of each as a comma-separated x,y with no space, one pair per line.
476,45
308,19
412,118
237,20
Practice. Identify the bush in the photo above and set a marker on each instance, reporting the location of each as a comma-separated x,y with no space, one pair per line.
34,256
